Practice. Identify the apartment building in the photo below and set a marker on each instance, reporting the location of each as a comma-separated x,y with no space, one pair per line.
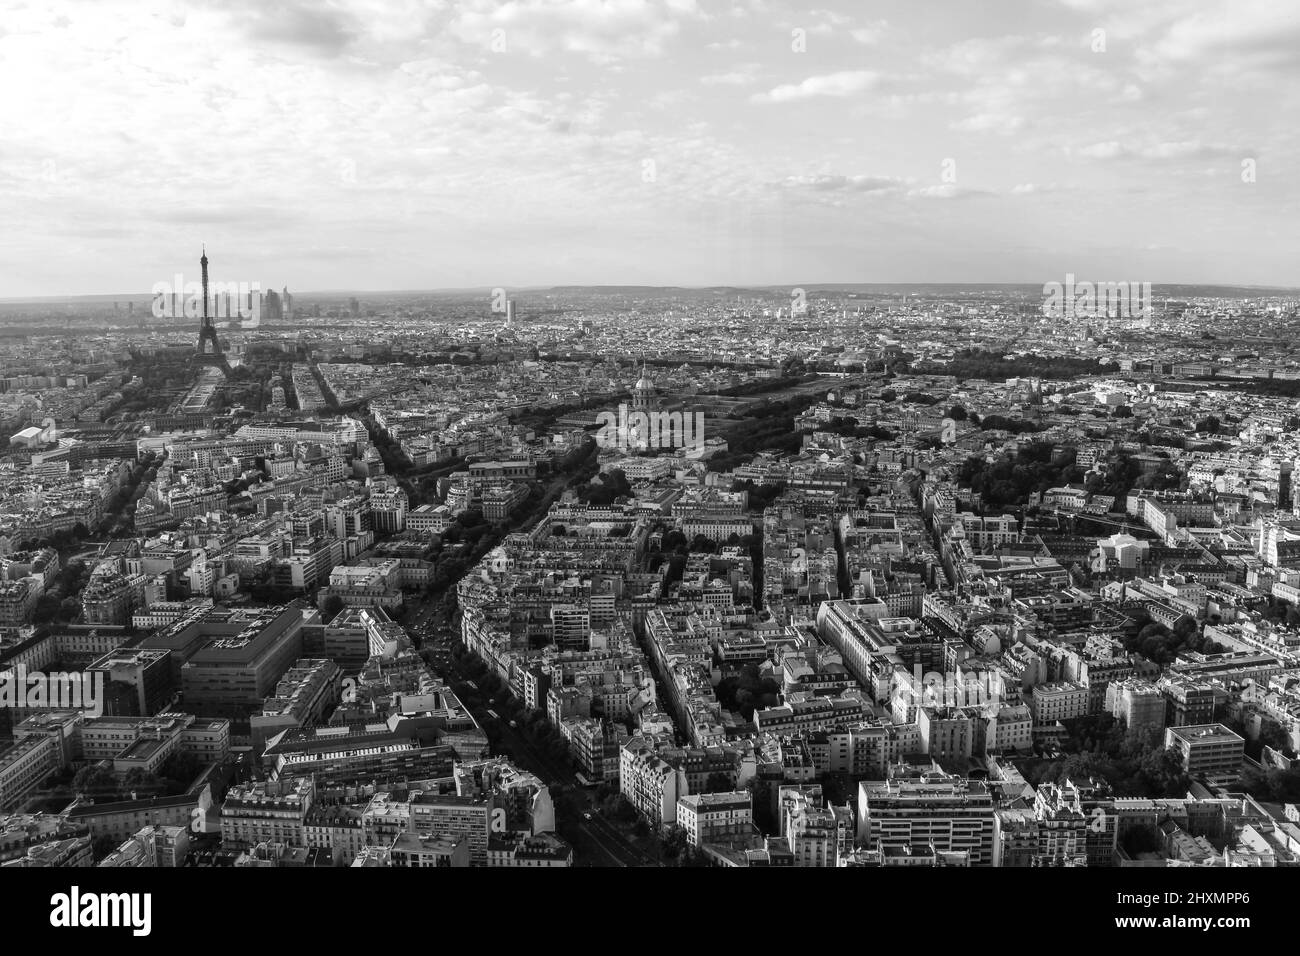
1209,751
950,813
267,811
716,817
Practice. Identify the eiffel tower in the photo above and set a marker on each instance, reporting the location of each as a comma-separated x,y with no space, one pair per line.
209,350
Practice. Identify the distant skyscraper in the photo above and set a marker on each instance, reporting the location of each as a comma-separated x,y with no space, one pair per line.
510,312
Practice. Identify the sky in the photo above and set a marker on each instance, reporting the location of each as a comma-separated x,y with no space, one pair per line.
424,144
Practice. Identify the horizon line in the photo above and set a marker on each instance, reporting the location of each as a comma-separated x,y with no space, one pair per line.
770,287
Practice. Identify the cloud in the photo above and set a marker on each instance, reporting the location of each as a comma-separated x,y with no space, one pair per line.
844,83
325,30
948,191
989,123
741,76
1112,149
602,30
871,33
1262,32
825,182
1107,150
978,56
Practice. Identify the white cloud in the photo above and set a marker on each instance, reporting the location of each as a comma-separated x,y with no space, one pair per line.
603,30
1160,151
948,191
741,76
989,123
826,182
844,83
870,34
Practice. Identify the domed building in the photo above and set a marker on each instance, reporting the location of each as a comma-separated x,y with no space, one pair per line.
643,392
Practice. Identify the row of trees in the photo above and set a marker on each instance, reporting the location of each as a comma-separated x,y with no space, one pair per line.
534,724
992,366
1016,426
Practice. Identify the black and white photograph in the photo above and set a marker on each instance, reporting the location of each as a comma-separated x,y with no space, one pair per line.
648,435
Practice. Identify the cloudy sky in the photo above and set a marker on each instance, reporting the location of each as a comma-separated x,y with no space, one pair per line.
419,144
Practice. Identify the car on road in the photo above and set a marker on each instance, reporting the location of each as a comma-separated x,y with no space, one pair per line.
586,816
514,723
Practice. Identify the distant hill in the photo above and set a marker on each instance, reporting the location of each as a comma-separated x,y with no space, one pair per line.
863,289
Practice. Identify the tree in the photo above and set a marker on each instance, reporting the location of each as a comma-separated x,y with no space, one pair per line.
675,842
47,608
920,398
957,413
717,783
331,606
1080,767
104,844
95,780
1163,773
141,782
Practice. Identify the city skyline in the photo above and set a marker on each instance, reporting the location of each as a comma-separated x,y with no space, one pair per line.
661,435
531,144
